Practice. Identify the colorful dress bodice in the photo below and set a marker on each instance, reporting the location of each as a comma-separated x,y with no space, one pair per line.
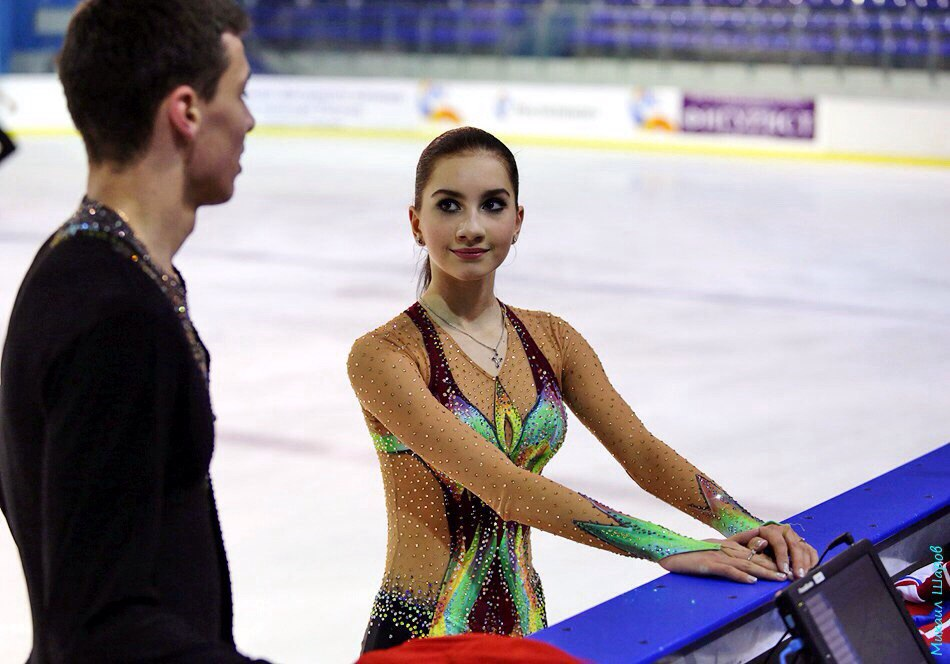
461,454
489,584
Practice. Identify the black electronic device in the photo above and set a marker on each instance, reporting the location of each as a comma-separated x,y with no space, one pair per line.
848,612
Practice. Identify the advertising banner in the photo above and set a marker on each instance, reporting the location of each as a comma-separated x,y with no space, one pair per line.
527,109
294,101
570,111
793,119
601,115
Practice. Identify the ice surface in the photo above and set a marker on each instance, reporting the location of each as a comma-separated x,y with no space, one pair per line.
784,325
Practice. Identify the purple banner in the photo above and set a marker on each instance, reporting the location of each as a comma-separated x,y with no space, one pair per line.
752,117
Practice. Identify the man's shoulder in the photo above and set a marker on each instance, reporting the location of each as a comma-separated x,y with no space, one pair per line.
76,283
84,270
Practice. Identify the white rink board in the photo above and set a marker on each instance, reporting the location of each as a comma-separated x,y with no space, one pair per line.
848,126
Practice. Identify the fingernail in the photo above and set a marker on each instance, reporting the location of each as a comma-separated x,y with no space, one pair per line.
801,572
780,577
788,570
751,579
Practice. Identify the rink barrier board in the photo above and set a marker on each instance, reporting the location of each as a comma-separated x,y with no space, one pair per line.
674,615
590,117
564,143
629,146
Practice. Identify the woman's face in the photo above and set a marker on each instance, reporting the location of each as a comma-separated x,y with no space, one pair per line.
467,216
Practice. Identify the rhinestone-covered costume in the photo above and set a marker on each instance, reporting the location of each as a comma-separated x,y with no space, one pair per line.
461,454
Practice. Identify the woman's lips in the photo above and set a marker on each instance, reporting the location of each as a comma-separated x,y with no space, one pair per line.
469,254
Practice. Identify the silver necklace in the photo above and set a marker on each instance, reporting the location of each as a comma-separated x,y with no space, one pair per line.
496,358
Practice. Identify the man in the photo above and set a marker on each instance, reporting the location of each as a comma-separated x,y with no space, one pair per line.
107,431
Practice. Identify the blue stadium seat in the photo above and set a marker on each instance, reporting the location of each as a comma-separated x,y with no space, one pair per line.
908,30
606,17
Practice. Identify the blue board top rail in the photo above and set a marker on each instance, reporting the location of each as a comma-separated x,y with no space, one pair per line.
669,613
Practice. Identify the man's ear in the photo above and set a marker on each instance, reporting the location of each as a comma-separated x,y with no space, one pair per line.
183,112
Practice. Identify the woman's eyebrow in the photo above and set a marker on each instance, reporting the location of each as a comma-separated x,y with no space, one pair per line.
455,194
446,192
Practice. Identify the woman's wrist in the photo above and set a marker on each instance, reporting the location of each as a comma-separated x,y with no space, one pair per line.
722,511
731,523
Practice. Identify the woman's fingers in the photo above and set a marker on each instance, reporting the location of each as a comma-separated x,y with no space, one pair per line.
746,554
762,567
792,553
744,571
751,539
776,537
757,565
799,557
730,572
723,563
768,564
804,556
706,563
746,537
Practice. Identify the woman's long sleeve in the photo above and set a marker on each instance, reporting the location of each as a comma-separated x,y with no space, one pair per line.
390,387
647,460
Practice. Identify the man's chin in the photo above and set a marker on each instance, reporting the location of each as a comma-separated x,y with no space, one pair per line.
217,197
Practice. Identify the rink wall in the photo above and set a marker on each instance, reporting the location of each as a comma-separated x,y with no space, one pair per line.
658,118
903,513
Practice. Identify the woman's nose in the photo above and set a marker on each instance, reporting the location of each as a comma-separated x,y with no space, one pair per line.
471,227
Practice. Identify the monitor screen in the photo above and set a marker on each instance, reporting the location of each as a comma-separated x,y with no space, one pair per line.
858,619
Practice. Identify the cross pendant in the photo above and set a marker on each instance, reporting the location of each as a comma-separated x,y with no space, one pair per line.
496,360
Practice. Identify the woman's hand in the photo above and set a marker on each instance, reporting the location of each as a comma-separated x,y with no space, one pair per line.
791,553
733,561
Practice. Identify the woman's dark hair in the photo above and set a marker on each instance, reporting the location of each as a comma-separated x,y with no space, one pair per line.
463,140
120,59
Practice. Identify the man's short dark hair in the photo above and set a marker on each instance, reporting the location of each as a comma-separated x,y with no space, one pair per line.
121,58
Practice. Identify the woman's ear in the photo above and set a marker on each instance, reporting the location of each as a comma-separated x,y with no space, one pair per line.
414,223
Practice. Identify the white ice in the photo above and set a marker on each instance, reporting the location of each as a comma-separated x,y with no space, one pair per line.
784,325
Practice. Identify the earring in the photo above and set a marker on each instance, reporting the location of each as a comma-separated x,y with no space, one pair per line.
420,241
514,240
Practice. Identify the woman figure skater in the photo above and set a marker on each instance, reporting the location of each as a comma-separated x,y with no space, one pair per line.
465,397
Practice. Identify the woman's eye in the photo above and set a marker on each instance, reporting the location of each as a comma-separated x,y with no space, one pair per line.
494,205
448,205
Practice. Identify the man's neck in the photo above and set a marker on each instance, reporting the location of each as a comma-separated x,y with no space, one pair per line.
152,203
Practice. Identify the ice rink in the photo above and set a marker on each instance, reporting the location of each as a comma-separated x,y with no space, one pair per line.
784,325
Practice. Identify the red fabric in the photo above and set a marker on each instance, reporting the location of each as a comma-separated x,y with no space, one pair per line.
924,584
470,649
